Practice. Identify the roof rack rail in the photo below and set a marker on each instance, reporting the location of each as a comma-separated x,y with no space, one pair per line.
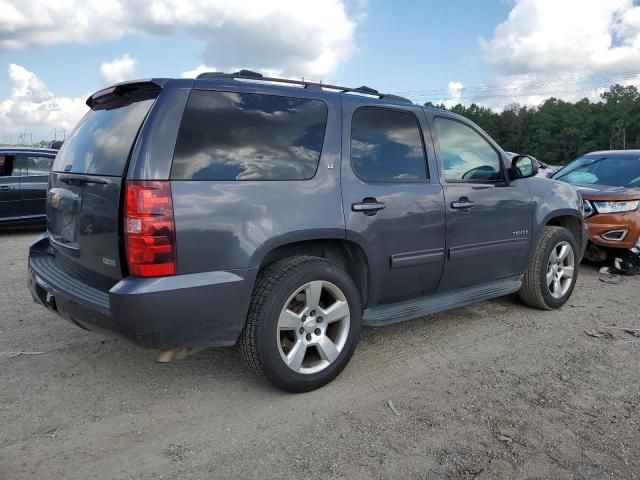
255,76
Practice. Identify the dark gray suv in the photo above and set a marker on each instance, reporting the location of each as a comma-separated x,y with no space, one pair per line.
282,216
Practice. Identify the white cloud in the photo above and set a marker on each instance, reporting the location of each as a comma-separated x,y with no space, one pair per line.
267,72
290,36
455,94
567,49
33,108
197,71
118,70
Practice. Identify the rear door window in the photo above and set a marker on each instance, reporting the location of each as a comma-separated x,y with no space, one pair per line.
100,144
386,146
247,136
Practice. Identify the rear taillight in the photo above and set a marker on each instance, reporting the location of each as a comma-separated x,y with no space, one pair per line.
149,230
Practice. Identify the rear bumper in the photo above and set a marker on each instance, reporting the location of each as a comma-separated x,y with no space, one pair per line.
202,309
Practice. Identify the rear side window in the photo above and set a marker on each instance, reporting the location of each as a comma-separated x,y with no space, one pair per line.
100,144
247,136
386,146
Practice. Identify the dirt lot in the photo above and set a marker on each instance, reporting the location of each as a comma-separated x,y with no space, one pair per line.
491,391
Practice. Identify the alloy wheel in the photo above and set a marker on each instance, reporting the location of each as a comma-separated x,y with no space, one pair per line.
560,269
313,327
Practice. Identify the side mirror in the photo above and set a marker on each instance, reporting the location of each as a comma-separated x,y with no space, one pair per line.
523,166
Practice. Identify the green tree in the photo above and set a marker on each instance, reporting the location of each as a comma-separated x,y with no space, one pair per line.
558,131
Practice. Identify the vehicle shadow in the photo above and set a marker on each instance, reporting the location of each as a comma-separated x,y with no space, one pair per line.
22,231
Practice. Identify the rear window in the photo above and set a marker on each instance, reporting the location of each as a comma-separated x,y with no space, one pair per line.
100,144
247,136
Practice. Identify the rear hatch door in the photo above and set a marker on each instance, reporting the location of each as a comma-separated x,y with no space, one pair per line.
86,183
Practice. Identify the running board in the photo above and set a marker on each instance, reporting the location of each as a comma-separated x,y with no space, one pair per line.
439,302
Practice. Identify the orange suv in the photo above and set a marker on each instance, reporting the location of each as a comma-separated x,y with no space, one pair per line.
609,182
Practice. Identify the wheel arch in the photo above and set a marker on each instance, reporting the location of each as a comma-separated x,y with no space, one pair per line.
570,221
347,254
568,218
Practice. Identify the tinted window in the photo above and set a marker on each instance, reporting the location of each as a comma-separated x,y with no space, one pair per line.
466,156
6,165
246,136
19,166
100,144
38,165
613,171
386,146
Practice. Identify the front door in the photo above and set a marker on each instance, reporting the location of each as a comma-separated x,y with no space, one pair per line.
391,205
489,218
10,206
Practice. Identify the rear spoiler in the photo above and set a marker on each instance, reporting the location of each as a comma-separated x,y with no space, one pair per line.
125,92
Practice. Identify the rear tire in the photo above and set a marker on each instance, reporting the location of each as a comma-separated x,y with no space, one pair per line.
553,271
303,324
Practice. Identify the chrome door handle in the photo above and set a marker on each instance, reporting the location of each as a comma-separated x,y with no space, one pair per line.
463,204
5,188
368,207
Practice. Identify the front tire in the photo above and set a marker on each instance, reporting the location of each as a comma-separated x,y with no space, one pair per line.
303,323
553,272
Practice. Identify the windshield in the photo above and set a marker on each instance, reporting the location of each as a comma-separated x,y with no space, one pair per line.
597,170
101,142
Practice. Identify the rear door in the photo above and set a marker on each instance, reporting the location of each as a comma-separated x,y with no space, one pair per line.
83,205
488,217
10,206
33,183
391,203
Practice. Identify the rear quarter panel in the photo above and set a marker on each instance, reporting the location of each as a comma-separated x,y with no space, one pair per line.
226,225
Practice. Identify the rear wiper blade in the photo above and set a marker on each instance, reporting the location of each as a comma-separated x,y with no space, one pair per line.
81,180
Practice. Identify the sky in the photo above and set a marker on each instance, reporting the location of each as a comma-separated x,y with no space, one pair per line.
55,53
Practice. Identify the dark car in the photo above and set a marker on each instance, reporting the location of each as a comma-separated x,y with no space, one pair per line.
609,182
284,215
23,184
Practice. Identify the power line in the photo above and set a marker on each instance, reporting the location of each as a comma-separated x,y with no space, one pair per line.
559,84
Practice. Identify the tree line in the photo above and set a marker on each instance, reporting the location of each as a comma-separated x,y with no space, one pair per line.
556,132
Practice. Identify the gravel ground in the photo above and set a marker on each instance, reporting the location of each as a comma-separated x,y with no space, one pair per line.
496,390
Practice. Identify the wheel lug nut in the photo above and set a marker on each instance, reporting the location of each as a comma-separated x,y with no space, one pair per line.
301,330
308,337
317,331
319,319
304,317
312,313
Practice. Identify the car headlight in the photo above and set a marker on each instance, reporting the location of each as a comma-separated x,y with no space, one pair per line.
587,209
616,207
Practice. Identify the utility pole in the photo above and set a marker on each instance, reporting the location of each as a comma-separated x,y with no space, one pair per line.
624,138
